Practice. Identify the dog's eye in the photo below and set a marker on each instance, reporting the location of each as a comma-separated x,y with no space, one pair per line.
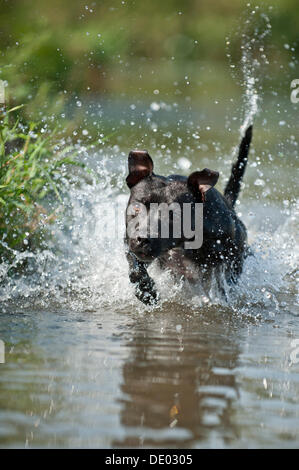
136,208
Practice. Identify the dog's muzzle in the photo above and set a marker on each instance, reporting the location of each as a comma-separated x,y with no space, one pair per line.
142,249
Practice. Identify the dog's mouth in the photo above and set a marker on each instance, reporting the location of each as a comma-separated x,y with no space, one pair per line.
145,257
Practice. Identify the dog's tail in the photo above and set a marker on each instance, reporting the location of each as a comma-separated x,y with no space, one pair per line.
232,188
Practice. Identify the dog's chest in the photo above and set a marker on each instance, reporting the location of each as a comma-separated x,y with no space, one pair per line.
180,266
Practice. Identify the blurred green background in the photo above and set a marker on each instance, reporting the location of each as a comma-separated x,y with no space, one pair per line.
131,48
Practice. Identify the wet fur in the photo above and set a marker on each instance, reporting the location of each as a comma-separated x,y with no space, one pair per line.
224,245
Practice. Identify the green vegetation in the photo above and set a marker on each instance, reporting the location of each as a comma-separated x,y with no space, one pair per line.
33,175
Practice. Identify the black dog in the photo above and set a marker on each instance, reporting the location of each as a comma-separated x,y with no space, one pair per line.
224,246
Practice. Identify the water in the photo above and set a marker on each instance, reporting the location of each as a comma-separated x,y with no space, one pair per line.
87,365
110,379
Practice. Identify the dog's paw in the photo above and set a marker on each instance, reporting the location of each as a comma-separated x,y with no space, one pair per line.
149,298
146,293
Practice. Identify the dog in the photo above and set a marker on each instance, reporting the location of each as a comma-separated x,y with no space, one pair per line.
224,243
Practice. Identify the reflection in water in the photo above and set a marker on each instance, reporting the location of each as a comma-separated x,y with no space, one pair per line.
171,378
179,382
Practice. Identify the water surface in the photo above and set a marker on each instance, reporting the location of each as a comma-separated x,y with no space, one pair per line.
87,365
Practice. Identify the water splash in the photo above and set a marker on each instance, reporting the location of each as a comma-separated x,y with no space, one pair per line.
251,105
251,65
85,267
82,270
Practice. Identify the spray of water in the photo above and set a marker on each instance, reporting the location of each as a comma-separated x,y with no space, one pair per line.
82,269
85,267
252,61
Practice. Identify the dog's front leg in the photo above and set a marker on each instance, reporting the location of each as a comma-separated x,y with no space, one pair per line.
145,289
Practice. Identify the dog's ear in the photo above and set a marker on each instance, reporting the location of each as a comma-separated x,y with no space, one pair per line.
200,182
140,166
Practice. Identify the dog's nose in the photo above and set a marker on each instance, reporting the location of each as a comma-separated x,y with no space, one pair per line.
142,242
140,245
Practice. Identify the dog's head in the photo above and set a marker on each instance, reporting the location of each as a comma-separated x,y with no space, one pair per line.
154,214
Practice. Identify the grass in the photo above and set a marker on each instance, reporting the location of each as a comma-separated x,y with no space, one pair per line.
34,172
